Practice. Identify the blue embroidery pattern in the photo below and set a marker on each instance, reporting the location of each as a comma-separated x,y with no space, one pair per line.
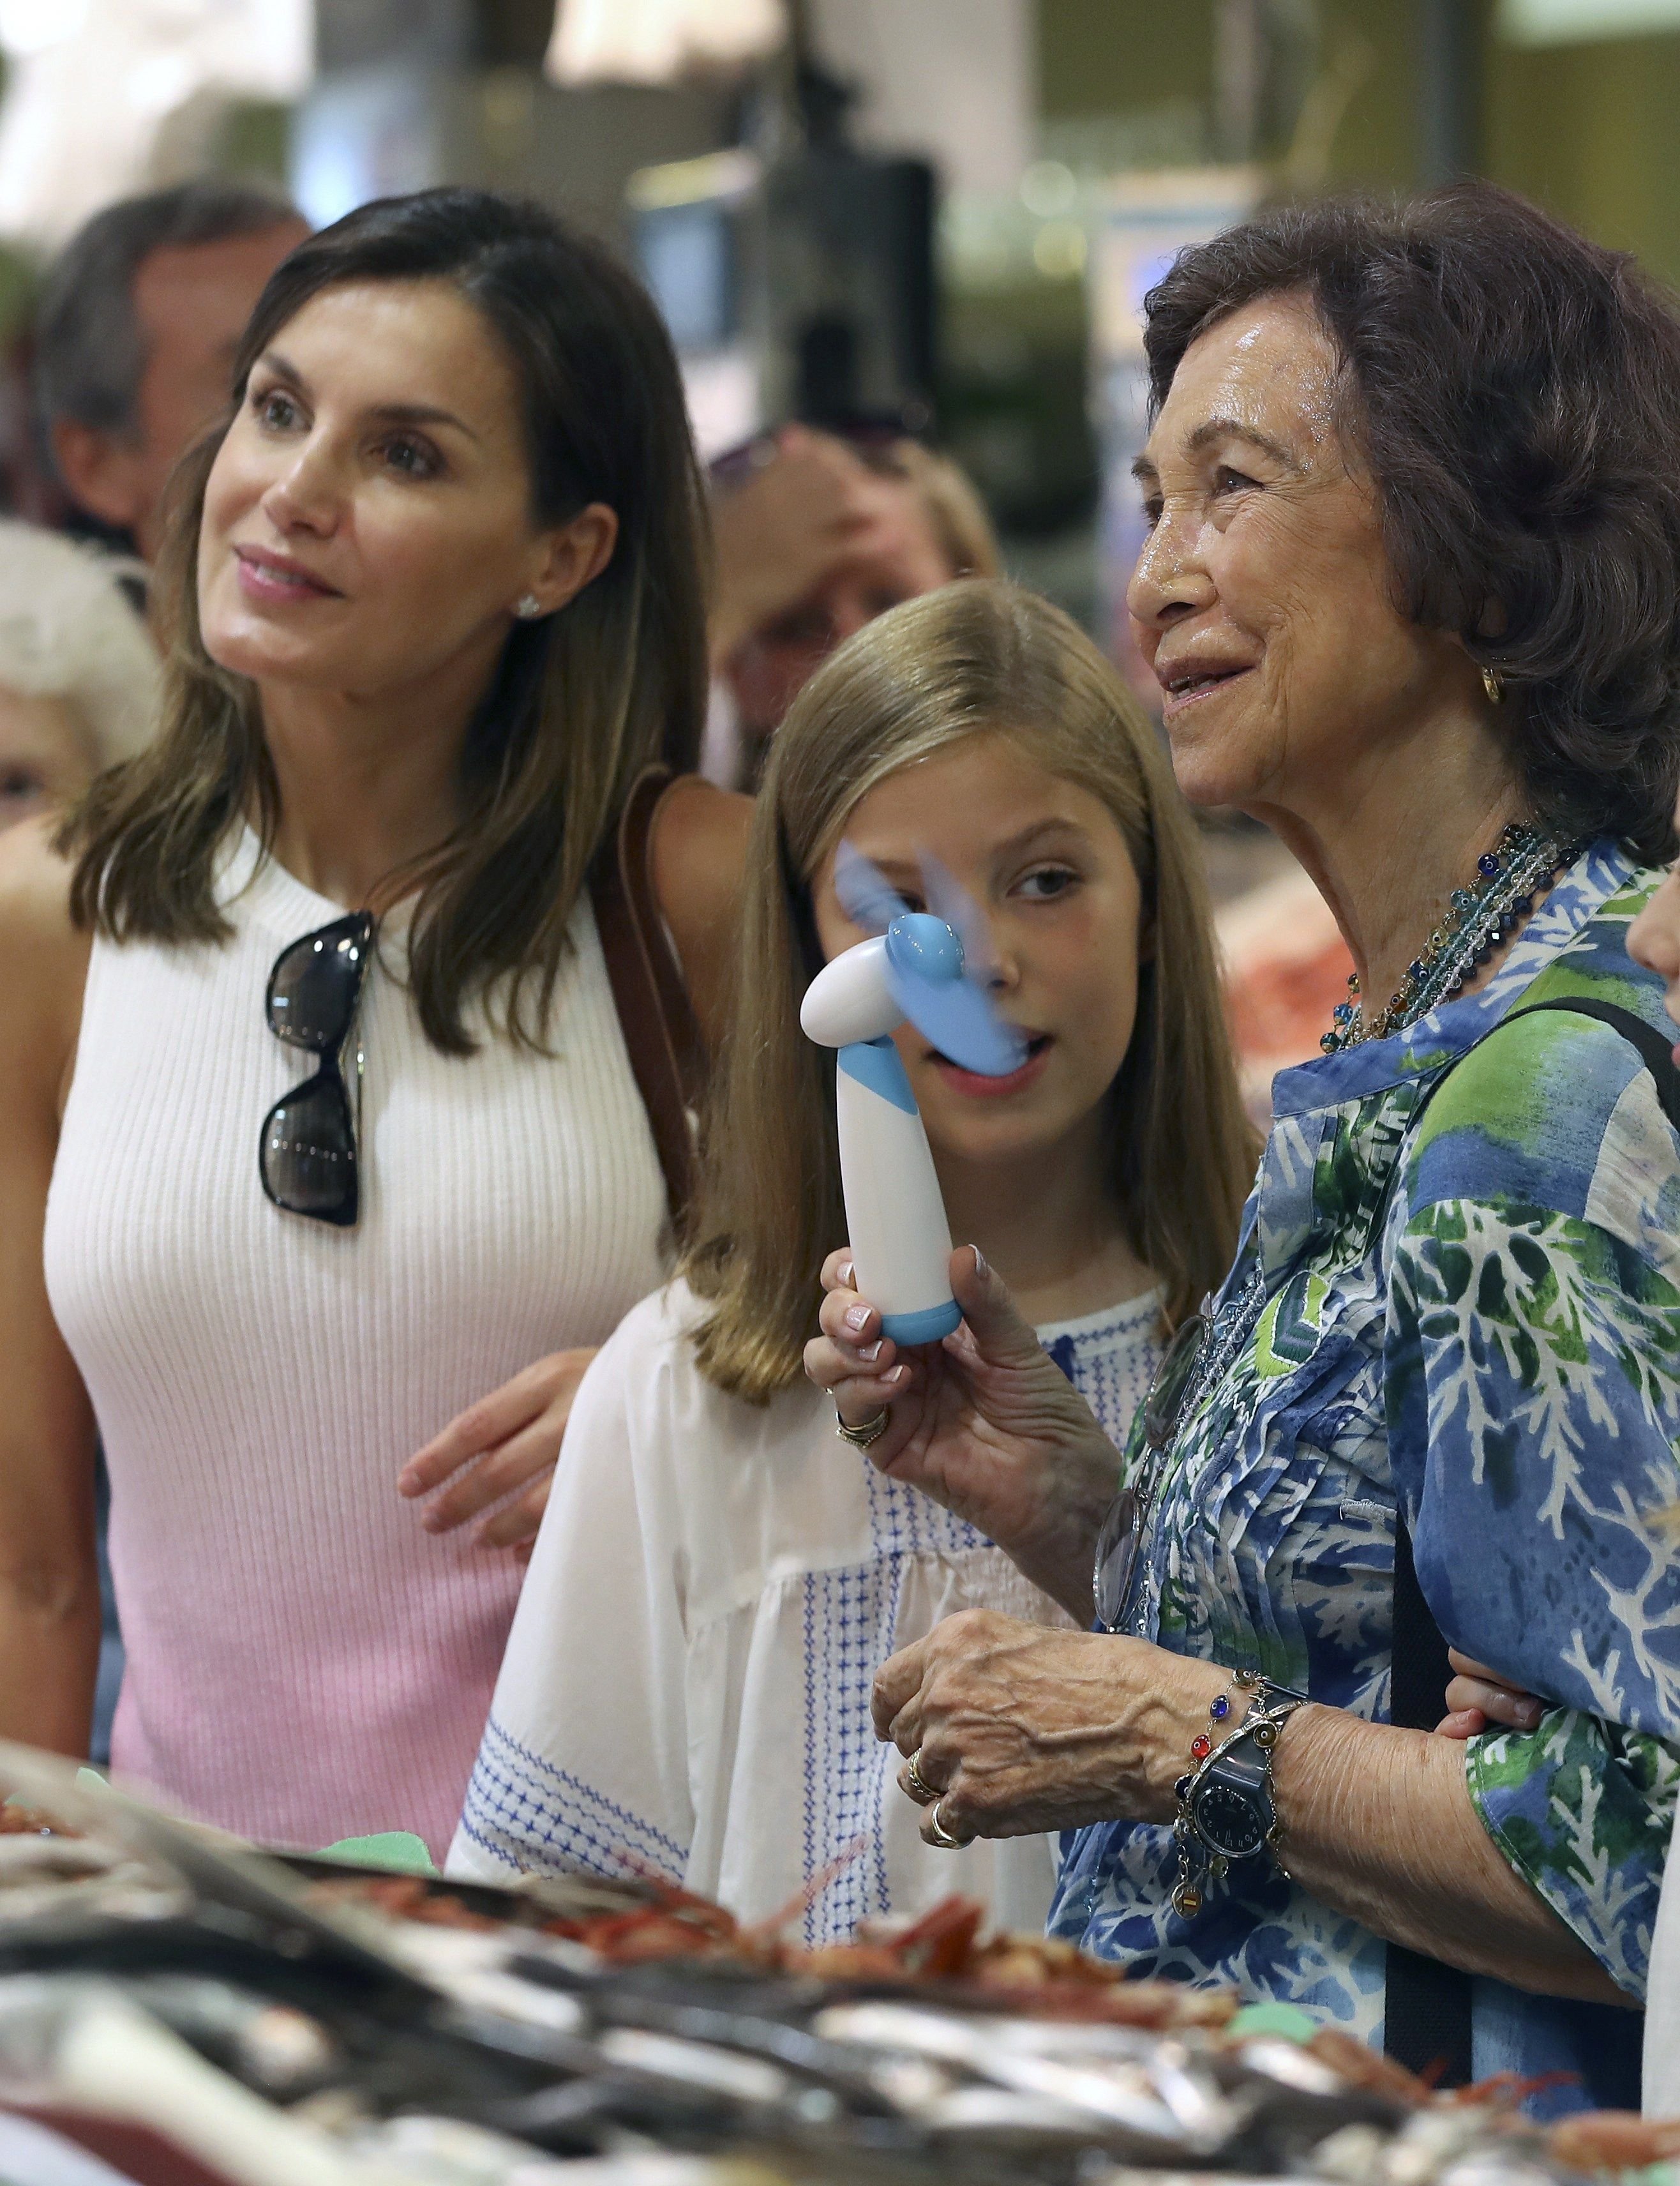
526,1812
852,1621
849,1619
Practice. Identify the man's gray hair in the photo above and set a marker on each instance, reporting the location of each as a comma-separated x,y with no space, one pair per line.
90,350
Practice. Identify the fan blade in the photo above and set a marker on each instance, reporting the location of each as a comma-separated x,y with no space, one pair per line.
948,899
867,896
959,1018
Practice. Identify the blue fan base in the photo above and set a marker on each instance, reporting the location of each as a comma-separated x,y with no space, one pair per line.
927,1326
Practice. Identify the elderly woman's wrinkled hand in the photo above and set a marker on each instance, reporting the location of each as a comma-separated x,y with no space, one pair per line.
1017,1727
985,1422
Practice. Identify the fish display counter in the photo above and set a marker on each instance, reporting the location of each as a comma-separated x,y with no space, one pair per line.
179,2009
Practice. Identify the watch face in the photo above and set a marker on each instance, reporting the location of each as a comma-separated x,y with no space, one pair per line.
1229,1821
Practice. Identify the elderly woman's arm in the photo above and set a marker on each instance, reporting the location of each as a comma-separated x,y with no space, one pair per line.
1024,1730
1381,1825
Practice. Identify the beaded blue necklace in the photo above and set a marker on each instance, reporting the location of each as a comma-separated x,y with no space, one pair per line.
1476,920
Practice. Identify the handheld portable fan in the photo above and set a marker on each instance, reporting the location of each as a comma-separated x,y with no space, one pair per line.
926,967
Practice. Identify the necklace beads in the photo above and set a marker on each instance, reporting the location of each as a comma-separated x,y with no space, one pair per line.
1477,918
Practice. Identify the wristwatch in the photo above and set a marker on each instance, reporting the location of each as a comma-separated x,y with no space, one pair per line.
1226,1807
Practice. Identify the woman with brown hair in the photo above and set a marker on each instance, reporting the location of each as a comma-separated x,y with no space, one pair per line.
686,1685
1411,591
314,1086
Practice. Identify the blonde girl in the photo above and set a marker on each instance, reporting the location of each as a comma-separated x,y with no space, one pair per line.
718,1576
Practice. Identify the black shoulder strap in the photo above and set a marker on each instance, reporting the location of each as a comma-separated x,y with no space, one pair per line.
1656,1053
1426,2020
1428,2006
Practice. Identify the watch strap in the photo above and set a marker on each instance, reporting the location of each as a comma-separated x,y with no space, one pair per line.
1240,1764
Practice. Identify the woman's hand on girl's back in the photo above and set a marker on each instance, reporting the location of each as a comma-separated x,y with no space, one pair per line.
510,1442
985,1422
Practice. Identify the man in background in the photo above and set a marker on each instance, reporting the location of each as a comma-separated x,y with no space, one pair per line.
139,320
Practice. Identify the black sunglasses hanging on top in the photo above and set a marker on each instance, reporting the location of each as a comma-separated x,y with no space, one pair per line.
307,1153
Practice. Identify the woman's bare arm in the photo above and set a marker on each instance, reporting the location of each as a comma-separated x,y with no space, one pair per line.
49,1585
1381,1825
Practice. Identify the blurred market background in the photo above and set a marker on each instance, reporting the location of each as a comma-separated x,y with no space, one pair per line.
937,214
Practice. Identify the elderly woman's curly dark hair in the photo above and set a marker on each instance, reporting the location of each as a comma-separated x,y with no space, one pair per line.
1515,392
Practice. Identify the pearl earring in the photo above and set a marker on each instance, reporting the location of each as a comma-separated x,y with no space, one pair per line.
528,607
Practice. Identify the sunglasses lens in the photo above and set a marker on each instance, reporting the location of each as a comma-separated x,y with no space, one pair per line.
1165,1397
1116,1553
313,987
308,1153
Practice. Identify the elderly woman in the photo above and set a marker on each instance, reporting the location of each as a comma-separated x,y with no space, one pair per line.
1412,590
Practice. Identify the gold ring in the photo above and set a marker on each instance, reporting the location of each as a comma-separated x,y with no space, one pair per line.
865,1432
938,1834
924,1793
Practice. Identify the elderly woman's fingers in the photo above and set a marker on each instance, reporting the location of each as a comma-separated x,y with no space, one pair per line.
918,1779
945,1826
895,1697
1464,1723
832,1359
1504,1704
848,1318
852,1359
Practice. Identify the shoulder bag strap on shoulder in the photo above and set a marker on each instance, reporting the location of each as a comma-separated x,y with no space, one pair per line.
1655,1051
662,1034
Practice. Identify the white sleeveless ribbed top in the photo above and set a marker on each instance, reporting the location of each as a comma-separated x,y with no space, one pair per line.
304,1661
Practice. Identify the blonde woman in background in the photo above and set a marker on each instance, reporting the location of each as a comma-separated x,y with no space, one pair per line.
817,540
79,679
718,1576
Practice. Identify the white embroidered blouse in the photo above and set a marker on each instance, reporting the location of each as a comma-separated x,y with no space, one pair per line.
686,1687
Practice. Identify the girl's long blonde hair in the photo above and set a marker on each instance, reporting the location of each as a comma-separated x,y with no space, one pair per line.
976,656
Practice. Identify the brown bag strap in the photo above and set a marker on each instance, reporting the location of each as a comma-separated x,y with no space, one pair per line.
661,1031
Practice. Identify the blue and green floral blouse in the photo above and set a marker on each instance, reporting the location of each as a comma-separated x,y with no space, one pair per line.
1471,1285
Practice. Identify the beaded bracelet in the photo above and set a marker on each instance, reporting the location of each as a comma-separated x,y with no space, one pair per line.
1218,1711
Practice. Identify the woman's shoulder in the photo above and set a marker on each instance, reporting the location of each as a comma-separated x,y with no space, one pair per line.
1559,1107
634,1412
649,1369
749,1493
650,1348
